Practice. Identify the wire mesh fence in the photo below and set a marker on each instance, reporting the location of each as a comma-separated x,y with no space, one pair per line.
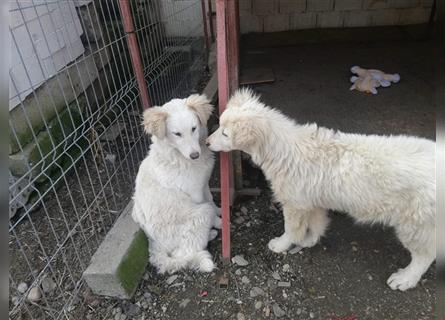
75,134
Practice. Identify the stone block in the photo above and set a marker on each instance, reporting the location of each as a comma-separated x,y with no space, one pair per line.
332,19
303,21
291,6
120,261
320,5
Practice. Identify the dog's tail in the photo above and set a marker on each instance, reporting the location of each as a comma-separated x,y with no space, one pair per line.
172,262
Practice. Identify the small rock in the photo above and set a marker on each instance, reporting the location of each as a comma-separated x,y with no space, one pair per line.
22,287
240,316
146,276
286,267
239,260
271,283
245,280
295,250
238,214
111,158
369,277
238,272
248,224
354,248
258,305
133,310
184,303
267,311
244,210
144,305
15,300
171,279
277,311
284,284
299,311
164,309
239,220
34,294
117,310
276,276
311,315
255,292
147,295
48,285
117,316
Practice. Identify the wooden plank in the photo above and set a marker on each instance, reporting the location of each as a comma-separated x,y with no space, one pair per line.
256,76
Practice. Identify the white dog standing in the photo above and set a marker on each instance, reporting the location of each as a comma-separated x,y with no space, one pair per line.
376,179
172,199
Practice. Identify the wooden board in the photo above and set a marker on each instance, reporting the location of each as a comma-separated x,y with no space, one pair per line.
256,75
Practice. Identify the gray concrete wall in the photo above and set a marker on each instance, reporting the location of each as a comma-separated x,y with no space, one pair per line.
284,15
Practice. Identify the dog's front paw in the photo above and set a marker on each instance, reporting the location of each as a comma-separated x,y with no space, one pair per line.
217,222
206,265
279,244
402,280
213,234
218,211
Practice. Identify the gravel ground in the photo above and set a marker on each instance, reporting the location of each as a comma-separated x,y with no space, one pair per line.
343,277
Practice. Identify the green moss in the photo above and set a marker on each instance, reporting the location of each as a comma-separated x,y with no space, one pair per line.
133,265
43,146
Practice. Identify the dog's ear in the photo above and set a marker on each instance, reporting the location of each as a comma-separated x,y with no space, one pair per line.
200,104
246,133
154,121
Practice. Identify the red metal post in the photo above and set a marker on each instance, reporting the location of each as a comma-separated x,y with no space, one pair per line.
135,54
206,32
233,44
223,96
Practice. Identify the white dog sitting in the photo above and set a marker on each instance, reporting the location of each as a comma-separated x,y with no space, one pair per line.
172,199
377,179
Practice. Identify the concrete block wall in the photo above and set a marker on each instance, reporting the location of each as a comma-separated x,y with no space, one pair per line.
283,15
181,18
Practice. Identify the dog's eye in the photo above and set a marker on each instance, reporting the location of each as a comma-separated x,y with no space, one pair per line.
177,134
193,129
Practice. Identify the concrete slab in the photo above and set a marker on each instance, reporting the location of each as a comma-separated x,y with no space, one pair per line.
120,261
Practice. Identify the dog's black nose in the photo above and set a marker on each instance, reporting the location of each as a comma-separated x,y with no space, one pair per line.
194,155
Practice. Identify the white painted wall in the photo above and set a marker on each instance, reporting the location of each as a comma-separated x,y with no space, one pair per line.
45,37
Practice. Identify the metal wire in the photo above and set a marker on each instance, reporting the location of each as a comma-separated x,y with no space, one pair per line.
75,135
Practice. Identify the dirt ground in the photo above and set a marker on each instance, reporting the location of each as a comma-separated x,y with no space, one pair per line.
344,276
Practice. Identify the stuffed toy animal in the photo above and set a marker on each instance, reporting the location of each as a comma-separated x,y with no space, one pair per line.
368,80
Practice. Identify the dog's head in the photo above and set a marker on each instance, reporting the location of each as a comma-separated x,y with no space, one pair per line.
180,123
241,127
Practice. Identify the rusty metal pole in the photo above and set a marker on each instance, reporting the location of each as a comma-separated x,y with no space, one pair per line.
223,96
135,54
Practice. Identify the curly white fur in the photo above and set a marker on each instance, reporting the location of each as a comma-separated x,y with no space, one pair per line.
376,179
172,200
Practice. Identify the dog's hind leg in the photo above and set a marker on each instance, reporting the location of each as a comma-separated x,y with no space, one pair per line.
295,227
318,223
421,245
